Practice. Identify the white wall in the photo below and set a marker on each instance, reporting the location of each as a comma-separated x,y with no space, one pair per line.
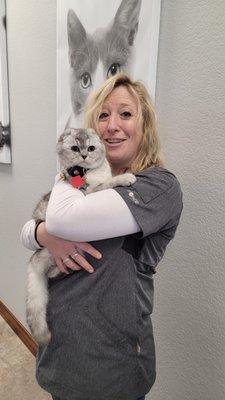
31,29
189,317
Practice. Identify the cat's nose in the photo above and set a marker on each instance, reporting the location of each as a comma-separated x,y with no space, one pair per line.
84,156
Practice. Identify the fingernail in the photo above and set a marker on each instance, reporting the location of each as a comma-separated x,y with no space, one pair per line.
91,270
99,255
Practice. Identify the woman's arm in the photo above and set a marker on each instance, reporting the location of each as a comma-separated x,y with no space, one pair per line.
97,216
59,248
27,236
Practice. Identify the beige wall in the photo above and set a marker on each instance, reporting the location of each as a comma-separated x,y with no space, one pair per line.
189,317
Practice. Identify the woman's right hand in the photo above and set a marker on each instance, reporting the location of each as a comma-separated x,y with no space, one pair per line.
63,250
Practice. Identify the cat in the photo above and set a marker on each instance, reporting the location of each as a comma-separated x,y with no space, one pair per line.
80,151
94,58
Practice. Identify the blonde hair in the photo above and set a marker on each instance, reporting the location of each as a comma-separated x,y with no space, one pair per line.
149,153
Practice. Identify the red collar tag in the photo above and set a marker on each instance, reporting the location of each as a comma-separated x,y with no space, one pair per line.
77,182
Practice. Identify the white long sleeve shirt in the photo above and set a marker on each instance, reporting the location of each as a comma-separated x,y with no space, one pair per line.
73,216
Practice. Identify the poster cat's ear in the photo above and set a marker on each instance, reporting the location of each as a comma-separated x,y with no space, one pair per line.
127,17
75,30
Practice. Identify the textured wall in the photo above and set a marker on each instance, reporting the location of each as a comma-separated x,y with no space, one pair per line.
189,317
31,27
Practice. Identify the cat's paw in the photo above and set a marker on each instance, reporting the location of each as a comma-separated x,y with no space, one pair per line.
128,179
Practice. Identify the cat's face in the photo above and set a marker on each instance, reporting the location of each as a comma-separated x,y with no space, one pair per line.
108,51
81,147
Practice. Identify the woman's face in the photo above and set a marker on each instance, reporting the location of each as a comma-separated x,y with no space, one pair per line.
119,128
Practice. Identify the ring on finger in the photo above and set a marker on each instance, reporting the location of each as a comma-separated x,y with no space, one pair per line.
74,255
66,259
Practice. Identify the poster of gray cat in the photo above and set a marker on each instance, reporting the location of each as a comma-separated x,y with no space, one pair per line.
96,39
5,152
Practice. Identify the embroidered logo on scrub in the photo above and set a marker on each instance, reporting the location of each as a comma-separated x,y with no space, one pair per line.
131,194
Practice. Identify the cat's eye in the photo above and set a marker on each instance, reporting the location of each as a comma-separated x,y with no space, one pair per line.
86,80
103,115
75,148
91,148
113,69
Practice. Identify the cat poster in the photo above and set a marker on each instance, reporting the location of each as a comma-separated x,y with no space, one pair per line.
5,152
96,39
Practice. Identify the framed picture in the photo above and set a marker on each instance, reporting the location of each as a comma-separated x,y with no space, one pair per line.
96,39
5,152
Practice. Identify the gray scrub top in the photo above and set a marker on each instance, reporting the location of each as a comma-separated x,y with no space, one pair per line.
102,345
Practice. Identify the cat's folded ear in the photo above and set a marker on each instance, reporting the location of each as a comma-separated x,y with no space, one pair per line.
65,133
127,17
92,131
59,146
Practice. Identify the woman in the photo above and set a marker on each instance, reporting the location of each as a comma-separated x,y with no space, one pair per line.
102,343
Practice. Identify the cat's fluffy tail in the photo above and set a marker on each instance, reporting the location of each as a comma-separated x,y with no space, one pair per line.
37,297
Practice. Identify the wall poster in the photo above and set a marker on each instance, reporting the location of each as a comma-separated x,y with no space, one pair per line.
5,152
97,38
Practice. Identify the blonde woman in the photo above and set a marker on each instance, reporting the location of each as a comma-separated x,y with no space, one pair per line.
102,343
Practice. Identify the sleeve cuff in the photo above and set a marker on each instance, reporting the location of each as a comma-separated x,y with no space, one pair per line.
38,222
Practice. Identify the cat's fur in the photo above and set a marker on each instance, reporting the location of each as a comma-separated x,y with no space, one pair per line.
42,265
94,58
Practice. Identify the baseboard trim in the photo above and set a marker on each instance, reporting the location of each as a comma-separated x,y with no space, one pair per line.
18,328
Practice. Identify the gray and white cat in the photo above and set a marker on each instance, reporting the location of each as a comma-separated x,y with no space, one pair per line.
78,150
94,58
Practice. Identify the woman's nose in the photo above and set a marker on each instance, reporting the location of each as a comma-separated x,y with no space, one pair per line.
113,123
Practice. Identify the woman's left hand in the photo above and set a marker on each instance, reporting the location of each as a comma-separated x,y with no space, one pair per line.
66,253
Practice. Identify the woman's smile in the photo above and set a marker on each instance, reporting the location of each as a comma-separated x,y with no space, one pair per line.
112,142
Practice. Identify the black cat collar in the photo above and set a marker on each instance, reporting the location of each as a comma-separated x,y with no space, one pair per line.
77,174
77,170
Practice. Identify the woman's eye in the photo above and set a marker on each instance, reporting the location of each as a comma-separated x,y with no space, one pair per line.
103,116
75,148
126,114
91,148
113,69
85,80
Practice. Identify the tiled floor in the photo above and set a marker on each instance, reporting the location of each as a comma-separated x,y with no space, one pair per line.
17,368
